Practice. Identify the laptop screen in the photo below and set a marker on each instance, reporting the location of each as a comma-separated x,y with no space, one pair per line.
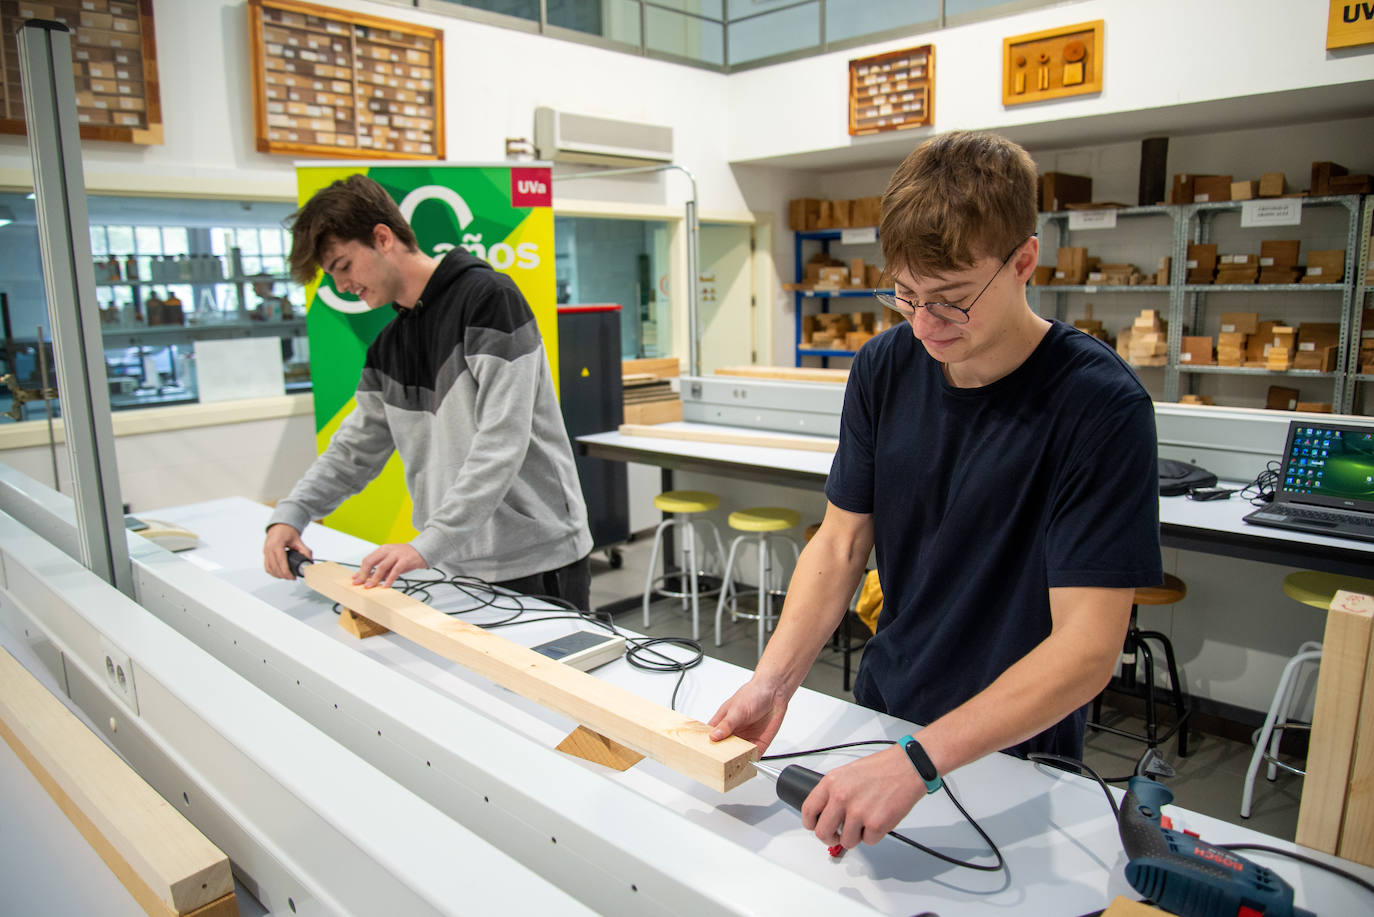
1329,465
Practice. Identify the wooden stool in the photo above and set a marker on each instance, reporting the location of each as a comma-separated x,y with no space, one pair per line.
761,523
682,505
1314,589
1173,590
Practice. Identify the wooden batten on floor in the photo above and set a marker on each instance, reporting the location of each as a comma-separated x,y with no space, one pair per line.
675,740
162,859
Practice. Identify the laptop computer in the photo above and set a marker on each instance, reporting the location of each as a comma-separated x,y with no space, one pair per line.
1326,482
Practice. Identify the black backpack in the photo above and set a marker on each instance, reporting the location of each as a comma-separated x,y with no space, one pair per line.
1180,477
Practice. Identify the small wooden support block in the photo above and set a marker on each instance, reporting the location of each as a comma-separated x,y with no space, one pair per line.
674,740
357,625
167,865
594,747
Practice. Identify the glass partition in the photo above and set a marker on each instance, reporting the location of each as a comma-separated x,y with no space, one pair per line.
623,262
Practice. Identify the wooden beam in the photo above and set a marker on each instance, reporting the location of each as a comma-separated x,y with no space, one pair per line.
742,438
789,373
162,859
1357,826
1335,722
668,737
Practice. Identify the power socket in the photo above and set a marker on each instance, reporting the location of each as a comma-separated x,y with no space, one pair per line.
119,674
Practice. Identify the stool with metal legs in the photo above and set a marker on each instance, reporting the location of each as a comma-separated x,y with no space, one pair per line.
1316,590
1151,762
761,523
683,505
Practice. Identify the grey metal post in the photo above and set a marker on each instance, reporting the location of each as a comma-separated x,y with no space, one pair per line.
45,60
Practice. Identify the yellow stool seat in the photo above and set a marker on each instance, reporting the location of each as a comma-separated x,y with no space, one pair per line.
764,519
686,501
1314,588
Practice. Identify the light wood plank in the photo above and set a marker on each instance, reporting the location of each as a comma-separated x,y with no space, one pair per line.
1335,722
668,737
1357,825
790,373
661,367
742,438
162,859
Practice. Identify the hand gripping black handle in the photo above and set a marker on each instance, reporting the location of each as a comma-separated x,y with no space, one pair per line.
795,783
295,560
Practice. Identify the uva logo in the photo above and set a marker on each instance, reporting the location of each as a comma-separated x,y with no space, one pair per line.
1354,12
531,186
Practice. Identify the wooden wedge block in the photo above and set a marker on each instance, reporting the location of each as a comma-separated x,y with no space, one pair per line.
594,747
1335,721
742,438
672,739
359,626
161,858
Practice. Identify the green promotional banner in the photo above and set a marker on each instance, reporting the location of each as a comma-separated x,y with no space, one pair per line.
503,214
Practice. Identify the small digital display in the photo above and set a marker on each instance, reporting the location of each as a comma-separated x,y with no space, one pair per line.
1331,462
576,642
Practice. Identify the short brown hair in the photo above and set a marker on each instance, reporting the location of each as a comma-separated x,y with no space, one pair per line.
958,197
347,210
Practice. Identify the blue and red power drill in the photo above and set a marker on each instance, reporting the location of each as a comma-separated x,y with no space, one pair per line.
1188,876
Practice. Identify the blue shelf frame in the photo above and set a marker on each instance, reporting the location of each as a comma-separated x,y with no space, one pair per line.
825,237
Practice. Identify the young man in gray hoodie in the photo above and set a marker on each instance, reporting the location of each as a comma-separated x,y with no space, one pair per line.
458,383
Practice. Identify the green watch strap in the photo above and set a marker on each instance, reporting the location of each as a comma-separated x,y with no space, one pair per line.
925,768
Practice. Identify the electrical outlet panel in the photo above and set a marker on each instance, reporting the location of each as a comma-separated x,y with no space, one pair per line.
119,674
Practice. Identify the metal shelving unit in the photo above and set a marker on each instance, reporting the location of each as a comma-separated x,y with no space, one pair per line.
1187,303
825,237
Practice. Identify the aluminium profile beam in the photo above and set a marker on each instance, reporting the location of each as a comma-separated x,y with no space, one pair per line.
45,57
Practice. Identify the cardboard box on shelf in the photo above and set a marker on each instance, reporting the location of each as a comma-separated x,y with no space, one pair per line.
1211,188
802,213
1196,351
1059,189
1280,398
1272,184
1244,190
1322,173
1325,266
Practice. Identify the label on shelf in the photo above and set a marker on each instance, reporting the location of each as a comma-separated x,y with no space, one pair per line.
1185,357
1228,329
1266,262
859,236
1307,345
1270,212
1092,219
1314,272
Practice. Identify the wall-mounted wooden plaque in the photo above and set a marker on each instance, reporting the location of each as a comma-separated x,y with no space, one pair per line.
892,91
328,82
114,61
1066,61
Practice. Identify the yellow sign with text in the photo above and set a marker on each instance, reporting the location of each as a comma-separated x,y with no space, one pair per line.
1350,23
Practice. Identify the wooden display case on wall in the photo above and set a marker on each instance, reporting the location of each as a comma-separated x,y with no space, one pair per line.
114,62
892,91
329,82
1052,64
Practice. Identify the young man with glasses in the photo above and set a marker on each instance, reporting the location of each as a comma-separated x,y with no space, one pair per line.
1004,468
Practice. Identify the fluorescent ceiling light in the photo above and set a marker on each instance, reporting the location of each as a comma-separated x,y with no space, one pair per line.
30,196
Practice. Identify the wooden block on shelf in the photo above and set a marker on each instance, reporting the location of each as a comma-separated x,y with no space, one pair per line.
1279,252
1211,188
790,373
654,412
1196,350
668,737
1196,399
1322,172
167,865
803,213
857,271
1325,266
873,276
1315,407
1244,190
1044,274
660,367
866,211
1341,689
1272,184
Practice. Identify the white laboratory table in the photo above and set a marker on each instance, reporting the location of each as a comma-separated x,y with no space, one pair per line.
1213,527
1056,831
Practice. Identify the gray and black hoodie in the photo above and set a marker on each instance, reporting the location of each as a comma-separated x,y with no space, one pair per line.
460,386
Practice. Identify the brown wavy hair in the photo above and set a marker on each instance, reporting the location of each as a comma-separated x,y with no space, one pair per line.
958,197
347,210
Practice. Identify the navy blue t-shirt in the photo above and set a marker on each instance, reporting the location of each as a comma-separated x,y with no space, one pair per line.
985,498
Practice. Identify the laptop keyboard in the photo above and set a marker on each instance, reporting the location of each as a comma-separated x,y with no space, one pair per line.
1335,518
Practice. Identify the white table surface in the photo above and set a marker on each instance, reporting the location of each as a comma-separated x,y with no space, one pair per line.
1213,526
1056,831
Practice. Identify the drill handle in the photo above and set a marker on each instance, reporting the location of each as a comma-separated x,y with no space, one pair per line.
295,561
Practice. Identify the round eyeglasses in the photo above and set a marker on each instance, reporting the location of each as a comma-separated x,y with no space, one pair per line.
946,311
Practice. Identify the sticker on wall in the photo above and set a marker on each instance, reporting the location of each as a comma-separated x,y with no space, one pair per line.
1349,24
1052,64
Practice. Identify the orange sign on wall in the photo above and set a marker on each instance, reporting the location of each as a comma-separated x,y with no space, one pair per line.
1350,23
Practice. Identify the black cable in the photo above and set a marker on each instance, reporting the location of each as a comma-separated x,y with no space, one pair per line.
949,790
640,652
1260,491
1059,761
